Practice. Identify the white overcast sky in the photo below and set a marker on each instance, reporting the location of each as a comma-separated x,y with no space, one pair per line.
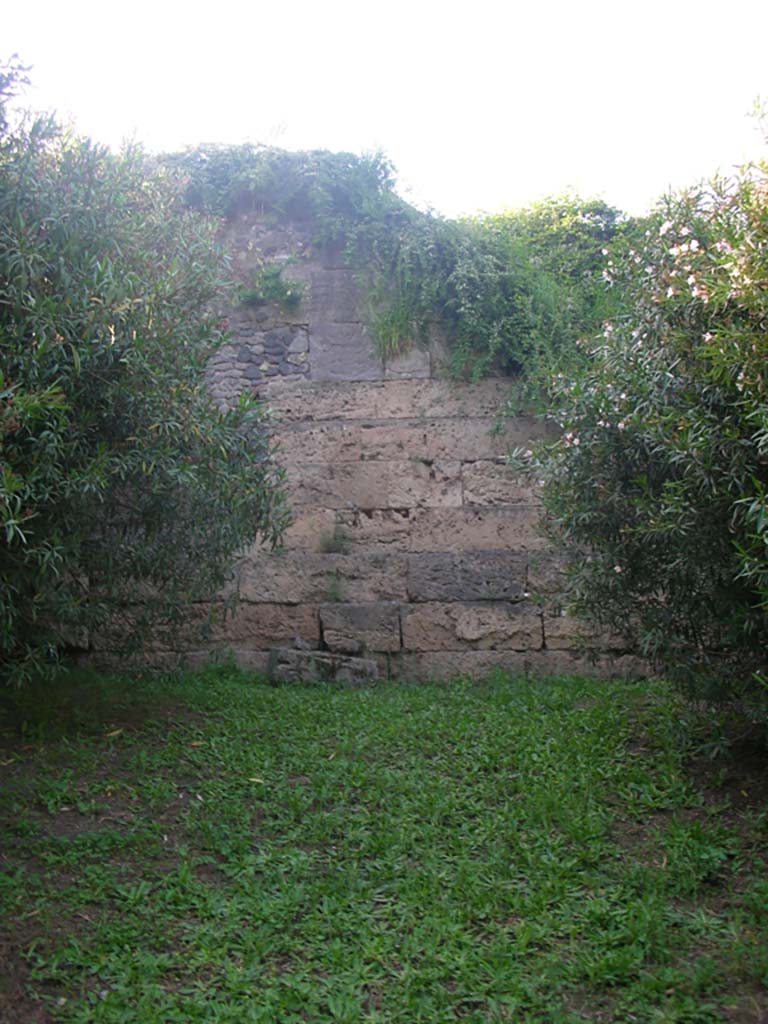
480,105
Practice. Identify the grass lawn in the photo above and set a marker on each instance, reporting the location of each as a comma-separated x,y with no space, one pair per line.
213,849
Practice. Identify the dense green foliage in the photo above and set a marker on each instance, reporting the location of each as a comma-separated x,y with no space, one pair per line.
118,477
508,293
329,191
216,850
661,473
526,286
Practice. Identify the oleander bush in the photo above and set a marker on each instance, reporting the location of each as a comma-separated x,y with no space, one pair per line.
119,479
657,483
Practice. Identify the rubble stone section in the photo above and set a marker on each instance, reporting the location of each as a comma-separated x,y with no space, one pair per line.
414,549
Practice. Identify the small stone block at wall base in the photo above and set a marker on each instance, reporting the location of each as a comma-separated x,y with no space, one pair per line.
287,665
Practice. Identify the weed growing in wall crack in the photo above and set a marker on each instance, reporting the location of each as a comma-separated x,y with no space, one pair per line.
334,542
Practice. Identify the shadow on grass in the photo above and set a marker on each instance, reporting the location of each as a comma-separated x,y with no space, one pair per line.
83,702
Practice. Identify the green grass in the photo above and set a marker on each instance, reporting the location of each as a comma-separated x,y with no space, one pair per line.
212,849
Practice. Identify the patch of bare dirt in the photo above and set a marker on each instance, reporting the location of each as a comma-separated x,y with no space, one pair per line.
751,1008
21,1000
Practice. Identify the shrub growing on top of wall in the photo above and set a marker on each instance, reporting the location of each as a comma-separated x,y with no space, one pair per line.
659,482
328,191
508,292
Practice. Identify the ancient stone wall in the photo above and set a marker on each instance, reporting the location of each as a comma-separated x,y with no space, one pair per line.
414,549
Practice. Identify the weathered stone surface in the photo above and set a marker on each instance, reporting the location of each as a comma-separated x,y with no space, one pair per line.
288,665
299,343
421,529
547,577
476,529
375,485
450,439
444,666
458,626
258,626
155,660
342,352
248,657
413,363
332,296
440,529
298,577
563,632
380,529
495,483
392,399
310,530
469,576
278,339
190,658
359,628
568,663
224,356
262,626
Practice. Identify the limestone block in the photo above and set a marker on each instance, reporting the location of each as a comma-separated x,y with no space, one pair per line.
261,626
288,665
332,296
295,401
155,660
468,576
247,657
547,578
444,666
166,660
459,626
370,485
433,439
342,352
308,531
298,577
379,529
495,483
415,362
566,632
358,628
475,529
566,663
437,529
